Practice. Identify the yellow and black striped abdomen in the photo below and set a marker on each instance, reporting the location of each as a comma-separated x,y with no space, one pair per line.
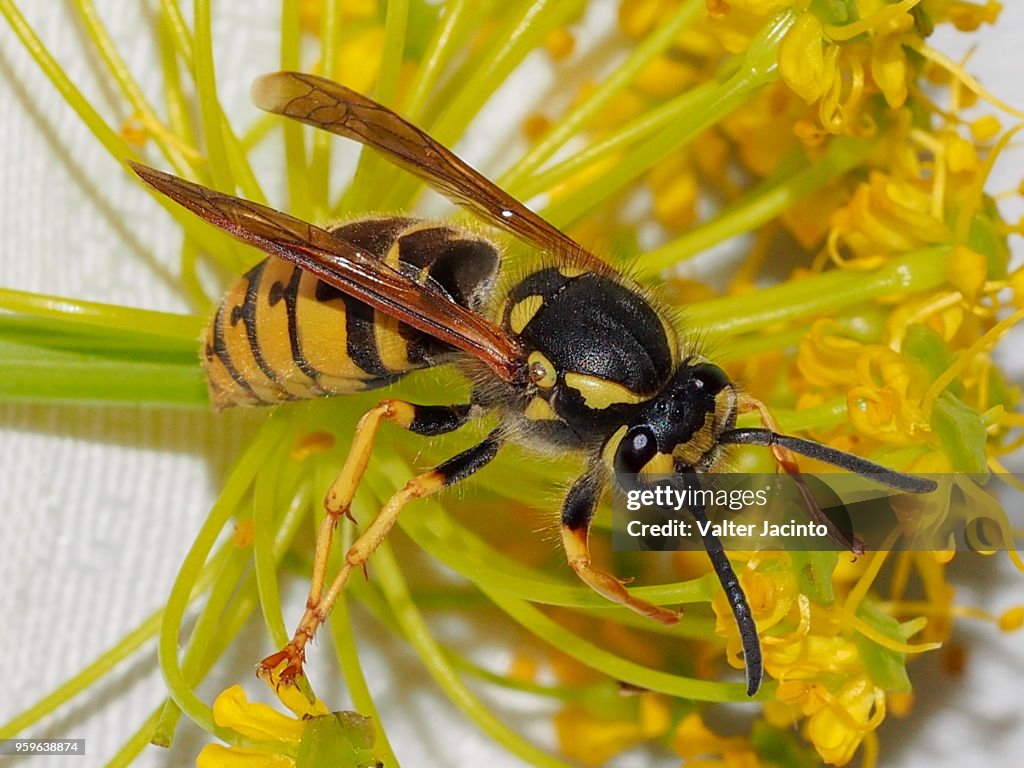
282,334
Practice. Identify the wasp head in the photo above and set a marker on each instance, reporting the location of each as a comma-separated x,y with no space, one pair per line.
680,426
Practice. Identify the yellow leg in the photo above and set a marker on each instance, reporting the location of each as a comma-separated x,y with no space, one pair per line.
577,551
285,665
577,512
783,456
339,497
787,461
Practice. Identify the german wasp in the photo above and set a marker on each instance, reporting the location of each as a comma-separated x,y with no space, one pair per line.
572,357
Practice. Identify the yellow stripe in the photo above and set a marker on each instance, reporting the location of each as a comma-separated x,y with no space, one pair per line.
570,272
391,346
608,453
600,393
523,312
661,464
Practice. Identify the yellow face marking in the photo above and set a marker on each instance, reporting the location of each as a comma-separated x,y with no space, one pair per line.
661,464
725,405
523,312
608,452
702,441
539,409
542,372
600,393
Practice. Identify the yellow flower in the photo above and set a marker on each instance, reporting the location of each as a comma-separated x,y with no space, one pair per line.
252,720
886,403
968,16
814,650
806,63
700,746
839,726
885,216
592,739
312,737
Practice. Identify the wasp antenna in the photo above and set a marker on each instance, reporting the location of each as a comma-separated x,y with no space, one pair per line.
737,601
841,459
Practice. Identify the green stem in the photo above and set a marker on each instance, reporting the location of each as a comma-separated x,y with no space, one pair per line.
129,88
164,324
396,24
758,69
614,666
271,537
525,27
449,32
29,377
348,657
114,143
676,111
179,116
237,485
209,624
827,292
179,31
366,192
209,106
623,74
300,202
411,621
320,159
760,205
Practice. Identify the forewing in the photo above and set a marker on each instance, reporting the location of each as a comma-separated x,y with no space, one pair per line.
349,270
332,107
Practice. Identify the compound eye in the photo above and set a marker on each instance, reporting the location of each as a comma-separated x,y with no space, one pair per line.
710,378
637,447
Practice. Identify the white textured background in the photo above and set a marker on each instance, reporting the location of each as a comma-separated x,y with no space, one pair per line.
99,505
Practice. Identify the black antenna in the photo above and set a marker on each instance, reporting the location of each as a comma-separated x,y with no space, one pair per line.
731,585
871,470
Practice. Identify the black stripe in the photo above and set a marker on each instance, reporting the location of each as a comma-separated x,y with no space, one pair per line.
220,349
433,420
247,314
360,339
469,461
360,334
581,501
289,293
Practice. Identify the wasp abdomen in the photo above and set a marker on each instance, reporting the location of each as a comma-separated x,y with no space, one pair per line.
282,334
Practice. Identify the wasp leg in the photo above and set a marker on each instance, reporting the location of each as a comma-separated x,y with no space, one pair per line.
426,420
577,512
784,457
787,461
286,664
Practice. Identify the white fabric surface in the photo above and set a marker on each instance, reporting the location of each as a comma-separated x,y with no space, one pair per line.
100,505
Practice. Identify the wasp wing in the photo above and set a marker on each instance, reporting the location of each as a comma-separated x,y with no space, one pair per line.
349,270
332,107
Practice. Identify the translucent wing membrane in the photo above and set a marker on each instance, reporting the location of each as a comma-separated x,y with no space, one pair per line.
349,270
332,107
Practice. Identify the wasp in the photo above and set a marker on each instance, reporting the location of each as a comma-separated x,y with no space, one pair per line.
572,357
